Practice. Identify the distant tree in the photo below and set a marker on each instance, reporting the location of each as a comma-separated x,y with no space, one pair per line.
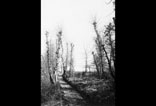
86,61
67,56
71,61
95,62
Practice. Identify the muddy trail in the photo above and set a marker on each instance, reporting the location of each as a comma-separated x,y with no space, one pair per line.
71,95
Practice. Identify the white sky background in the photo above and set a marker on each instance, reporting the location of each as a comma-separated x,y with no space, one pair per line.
75,17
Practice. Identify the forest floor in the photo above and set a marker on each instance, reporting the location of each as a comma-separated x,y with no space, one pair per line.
98,90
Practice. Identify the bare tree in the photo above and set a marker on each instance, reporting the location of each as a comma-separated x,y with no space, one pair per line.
95,62
100,54
53,57
71,60
110,30
86,61
67,57
105,49
48,59
58,54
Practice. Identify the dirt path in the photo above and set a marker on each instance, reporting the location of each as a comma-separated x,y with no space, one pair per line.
70,96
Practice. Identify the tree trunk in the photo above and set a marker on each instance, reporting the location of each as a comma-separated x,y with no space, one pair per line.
109,63
97,68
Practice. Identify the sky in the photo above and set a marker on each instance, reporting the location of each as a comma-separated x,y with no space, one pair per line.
75,18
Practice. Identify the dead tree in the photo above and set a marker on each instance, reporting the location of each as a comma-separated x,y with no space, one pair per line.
89,67
58,54
71,61
52,54
111,59
66,62
86,62
100,53
95,62
67,57
48,59
53,61
106,48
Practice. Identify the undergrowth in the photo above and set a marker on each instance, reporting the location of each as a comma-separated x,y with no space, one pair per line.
50,92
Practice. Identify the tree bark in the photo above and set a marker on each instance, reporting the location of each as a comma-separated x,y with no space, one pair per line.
97,68
109,62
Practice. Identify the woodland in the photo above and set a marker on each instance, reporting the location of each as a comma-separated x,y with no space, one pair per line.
62,85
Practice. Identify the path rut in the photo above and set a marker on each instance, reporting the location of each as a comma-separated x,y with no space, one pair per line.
70,96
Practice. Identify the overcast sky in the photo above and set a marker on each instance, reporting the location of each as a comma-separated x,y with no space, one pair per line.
75,17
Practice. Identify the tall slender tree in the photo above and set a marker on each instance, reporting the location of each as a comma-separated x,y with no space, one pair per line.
71,60
48,59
